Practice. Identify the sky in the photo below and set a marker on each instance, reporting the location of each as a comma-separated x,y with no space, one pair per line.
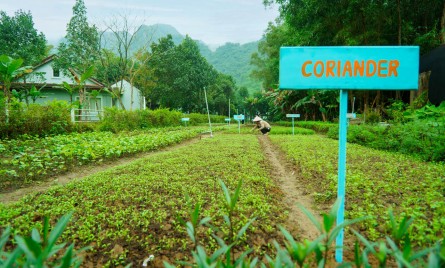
213,21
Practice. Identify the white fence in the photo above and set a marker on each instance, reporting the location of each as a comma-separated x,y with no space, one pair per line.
86,115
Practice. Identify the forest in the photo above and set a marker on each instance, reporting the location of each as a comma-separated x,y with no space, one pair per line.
347,23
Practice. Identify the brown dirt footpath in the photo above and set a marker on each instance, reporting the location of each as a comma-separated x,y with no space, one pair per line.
283,172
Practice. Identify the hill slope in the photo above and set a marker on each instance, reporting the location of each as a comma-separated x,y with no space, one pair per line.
230,58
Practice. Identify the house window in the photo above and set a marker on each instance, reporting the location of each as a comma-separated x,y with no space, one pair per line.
56,72
92,104
95,104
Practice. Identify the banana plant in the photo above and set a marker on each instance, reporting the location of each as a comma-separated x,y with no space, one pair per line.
9,70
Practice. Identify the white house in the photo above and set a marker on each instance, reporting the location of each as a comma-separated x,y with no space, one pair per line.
50,83
131,96
50,80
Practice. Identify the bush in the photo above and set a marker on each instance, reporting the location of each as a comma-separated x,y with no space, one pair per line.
36,120
421,138
196,119
373,117
116,120
317,126
119,120
160,118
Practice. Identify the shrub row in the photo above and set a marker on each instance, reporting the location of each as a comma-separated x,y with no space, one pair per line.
118,120
54,118
419,138
31,158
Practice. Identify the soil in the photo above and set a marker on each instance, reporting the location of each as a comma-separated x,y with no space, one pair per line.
286,176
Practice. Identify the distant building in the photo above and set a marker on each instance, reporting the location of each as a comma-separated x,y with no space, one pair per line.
131,96
50,82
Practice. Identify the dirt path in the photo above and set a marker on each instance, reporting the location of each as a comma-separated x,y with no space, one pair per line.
82,172
284,173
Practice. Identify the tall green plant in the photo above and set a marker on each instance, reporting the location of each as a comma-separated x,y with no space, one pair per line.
40,250
10,69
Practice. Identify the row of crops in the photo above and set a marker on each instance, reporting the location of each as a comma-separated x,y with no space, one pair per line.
31,158
131,211
376,181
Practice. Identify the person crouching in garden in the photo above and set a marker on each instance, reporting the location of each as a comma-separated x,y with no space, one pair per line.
261,125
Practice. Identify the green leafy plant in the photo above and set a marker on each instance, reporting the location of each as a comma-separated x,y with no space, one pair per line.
40,250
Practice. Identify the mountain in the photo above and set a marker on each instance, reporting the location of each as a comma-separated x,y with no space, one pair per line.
234,59
230,58
143,38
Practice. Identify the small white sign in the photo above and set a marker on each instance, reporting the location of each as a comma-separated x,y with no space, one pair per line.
185,119
351,115
238,117
293,115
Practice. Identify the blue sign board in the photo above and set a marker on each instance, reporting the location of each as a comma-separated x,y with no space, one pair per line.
345,68
366,68
238,117
293,116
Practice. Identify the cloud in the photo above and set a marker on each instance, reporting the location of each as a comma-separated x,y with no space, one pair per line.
212,21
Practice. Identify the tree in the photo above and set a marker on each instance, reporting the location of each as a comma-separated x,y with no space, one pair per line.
194,73
266,60
162,63
81,49
347,23
80,83
120,38
144,77
220,92
19,38
9,70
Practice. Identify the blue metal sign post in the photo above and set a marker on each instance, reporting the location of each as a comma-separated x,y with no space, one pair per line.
358,68
185,120
238,117
293,116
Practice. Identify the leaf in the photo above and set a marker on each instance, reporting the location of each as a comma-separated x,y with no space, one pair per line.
36,236
397,253
311,218
191,231
29,247
240,259
5,237
244,228
87,74
57,231
67,258
328,222
226,194
338,228
195,215
12,258
219,252
227,220
368,245
205,220
236,195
